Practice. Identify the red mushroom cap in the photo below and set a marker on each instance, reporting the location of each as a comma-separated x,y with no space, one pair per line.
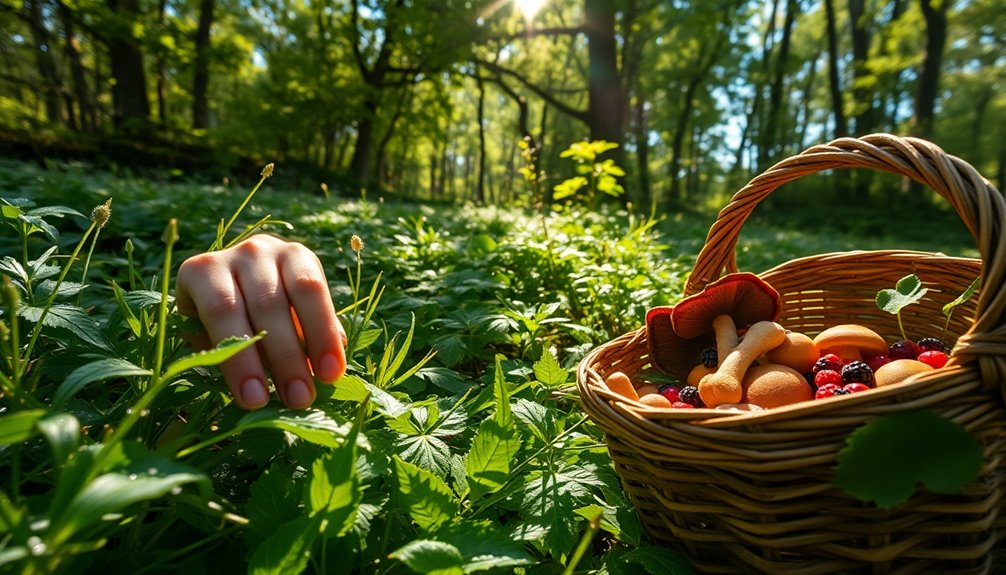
669,352
743,296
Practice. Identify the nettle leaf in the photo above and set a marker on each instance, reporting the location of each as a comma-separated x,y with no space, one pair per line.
428,452
20,426
101,370
495,445
43,290
13,268
313,425
907,291
62,431
351,388
949,308
273,502
334,488
550,500
884,459
658,560
223,351
429,500
386,403
538,418
548,370
288,550
431,557
446,379
70,318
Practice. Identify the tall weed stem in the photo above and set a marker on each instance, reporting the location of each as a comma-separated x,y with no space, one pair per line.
218,243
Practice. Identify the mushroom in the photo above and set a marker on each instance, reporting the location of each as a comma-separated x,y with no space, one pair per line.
726,385
670,353
678,334
775,385
898,370
850,342
797,351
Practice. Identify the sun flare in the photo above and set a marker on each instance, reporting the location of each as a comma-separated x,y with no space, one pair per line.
529,7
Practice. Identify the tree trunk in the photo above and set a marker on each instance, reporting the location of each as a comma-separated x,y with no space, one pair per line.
604,86
935,12
480,186
45,62
382,146
834,84
769,134
77,71
201,75
754,113
861,92
131,108
162,81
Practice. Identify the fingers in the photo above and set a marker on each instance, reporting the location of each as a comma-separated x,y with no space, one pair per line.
267,284
304,281
207,289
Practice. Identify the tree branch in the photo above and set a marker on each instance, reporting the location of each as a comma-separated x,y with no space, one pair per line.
541,93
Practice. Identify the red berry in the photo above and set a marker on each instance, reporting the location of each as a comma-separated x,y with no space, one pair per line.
672,393
827,377
878,360
934,359
828,361
855,387
904,349
682,405
826,390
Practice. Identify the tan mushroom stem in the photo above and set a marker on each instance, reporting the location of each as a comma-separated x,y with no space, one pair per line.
726,385
726,335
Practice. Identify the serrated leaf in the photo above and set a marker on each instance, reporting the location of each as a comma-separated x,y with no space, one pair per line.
312,425
288,550
430,557
386,403
907,291
540,419
223,351
101,370
949,308
334,488
659,560
367,338
428,452
68,317
484,546
273,502
62,431
20,426
884,459
350,388
428,499
446,379
487,466
548,371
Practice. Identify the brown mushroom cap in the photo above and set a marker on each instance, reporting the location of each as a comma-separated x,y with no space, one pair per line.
899,370
669,352
850,336
743,296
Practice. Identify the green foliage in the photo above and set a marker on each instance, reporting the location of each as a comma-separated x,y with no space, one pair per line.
885,458
907,291
595,174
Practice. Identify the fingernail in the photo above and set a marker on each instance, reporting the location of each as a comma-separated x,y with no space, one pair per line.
298,394
330,367
253,393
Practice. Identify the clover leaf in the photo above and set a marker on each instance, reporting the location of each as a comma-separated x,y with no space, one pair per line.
907,291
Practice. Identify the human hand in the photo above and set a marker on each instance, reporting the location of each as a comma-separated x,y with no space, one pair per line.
266,284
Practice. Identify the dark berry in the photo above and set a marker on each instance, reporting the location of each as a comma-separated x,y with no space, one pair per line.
877,361
857,372
904,349
809,376
827,377
671,392
829,361
826,390
934,359
708,357
690,394
931,344
682,405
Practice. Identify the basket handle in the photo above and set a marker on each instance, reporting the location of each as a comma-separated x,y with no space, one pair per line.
976,200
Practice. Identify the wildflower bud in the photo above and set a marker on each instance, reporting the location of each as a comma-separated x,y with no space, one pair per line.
100,214
9,294
267,170
324,188
356,244
170,235
129,247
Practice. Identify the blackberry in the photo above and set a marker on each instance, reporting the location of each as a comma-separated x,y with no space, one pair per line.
690,394
857,372
709,358
931,344
829,361
904,349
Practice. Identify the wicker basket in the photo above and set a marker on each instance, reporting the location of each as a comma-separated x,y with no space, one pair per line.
742,493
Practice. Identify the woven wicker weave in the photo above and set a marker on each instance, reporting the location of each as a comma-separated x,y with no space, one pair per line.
742,493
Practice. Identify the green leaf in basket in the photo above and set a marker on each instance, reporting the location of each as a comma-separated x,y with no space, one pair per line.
907,291
949,308
884,459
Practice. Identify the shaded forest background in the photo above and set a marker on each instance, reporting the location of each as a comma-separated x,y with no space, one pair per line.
430,100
